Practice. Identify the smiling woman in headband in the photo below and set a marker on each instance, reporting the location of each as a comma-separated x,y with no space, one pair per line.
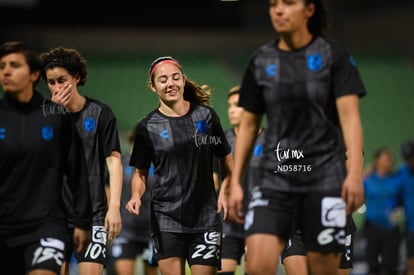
180,138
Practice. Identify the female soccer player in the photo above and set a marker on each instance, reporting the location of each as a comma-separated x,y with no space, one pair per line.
180,138
309,90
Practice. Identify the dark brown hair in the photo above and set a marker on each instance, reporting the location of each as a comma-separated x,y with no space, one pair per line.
31,55
318,24
69,59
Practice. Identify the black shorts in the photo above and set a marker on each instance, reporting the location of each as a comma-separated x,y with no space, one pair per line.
409,242
321,217
123,248
69,245
295,245
232,248
197,248
31,248
46,253
12,256
96,251
347,256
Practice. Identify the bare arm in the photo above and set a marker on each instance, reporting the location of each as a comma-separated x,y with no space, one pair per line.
138,187
246,138
226,166
349,116
113,222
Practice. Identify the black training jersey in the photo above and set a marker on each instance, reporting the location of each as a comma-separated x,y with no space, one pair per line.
181,149
249,179
304,148
96,126
135,228
38,147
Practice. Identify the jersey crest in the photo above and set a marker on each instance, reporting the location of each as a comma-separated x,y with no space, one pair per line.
202,126
314,62
47,132
89,124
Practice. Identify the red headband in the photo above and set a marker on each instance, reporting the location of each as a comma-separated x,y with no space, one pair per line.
164,61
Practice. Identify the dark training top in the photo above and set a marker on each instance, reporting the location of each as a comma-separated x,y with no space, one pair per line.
96,126
181,149
249,179
38,148
304,148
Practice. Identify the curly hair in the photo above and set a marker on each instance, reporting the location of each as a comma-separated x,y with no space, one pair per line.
67,58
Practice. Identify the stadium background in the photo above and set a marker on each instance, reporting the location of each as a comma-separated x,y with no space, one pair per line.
214,39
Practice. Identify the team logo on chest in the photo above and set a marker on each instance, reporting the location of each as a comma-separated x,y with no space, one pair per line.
47,132
89,124
202,126
314,62
201,136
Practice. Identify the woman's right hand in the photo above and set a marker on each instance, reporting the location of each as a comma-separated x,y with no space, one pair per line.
134,204
236,203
